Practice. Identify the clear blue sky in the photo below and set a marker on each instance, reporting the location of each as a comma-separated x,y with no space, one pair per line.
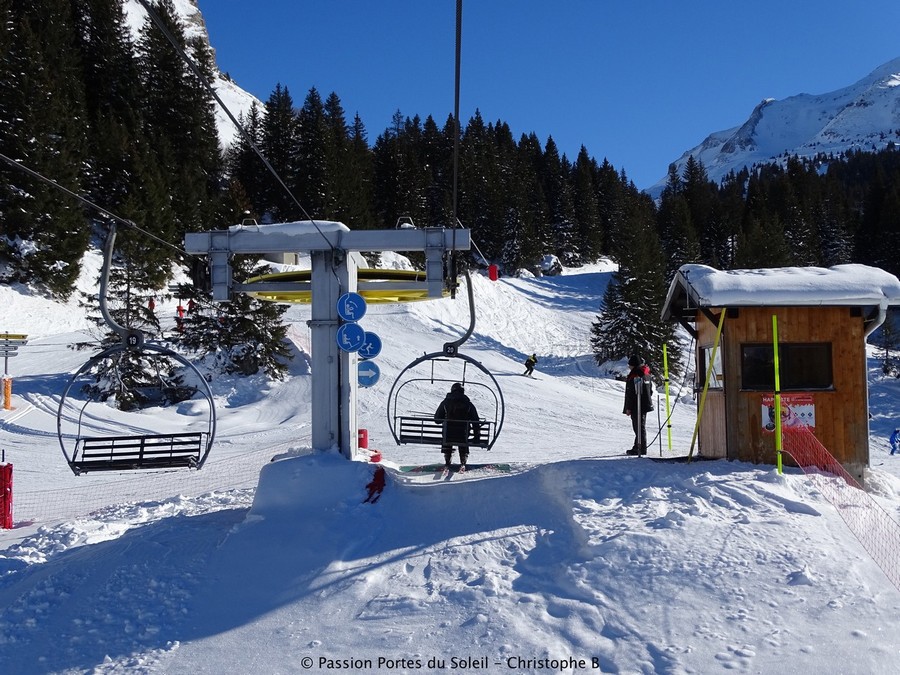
637,83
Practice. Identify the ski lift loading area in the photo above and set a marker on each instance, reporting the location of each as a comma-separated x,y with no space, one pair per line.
333,275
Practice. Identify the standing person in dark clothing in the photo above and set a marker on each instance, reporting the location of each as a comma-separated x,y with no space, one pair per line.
638,402
530,363
458,415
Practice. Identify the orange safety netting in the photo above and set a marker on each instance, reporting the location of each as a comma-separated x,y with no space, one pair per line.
870,523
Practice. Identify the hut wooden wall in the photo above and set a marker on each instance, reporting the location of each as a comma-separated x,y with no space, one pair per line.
841,415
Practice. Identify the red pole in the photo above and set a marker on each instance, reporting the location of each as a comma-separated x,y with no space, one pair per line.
363,444
6,475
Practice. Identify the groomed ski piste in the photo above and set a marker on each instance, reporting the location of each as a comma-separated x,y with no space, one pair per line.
576,559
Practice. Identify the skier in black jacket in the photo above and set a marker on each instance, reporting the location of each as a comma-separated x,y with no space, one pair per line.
458,415
638,402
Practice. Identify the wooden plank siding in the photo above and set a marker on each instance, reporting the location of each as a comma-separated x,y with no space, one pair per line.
732,424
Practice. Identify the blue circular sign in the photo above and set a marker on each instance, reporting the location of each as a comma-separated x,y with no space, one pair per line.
350,337
371,346
367,373
351,306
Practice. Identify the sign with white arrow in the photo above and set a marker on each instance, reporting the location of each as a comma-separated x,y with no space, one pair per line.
368,373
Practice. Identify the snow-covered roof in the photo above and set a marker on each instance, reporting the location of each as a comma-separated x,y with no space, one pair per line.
854,285
295,228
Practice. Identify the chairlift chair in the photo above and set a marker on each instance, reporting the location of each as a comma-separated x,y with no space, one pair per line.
428,379
127,451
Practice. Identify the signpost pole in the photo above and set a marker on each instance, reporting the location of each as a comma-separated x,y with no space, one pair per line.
9,345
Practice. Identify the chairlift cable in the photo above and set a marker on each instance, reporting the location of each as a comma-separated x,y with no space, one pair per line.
456,113
244,134
89,203
456,132
478,249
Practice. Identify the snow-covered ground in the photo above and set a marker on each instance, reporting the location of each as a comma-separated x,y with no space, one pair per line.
578,559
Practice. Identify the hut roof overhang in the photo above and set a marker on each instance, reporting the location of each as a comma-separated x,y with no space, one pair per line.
698,287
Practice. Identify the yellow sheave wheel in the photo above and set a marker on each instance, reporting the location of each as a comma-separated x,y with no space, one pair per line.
371,295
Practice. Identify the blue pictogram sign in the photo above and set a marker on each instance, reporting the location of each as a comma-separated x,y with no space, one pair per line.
368,373
371,346
350,337
351,306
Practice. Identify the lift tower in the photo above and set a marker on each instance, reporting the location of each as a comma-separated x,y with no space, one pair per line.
331,246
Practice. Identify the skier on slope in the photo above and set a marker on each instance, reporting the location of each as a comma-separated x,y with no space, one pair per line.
457,413
530,363
638,402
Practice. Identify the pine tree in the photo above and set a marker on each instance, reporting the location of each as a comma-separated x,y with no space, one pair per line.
437,162
131,378
245,335
480,203
244,166
43,127
835,225
505,241
559,203
585,209
312,162
359,186
699,194
279,146
386,170
113,107
536,235
729,209
676,226
630,314
611,204
761,242
180,125
400,180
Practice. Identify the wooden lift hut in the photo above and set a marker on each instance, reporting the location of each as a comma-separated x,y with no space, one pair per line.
823,319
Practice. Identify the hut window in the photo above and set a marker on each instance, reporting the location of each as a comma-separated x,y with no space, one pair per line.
804,366
716,378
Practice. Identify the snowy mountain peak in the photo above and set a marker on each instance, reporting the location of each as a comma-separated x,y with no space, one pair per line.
864,115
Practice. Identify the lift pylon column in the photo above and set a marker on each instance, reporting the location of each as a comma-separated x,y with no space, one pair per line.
333,388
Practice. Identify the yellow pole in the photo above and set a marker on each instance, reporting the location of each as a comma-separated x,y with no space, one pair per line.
712,359
666,383
778,438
